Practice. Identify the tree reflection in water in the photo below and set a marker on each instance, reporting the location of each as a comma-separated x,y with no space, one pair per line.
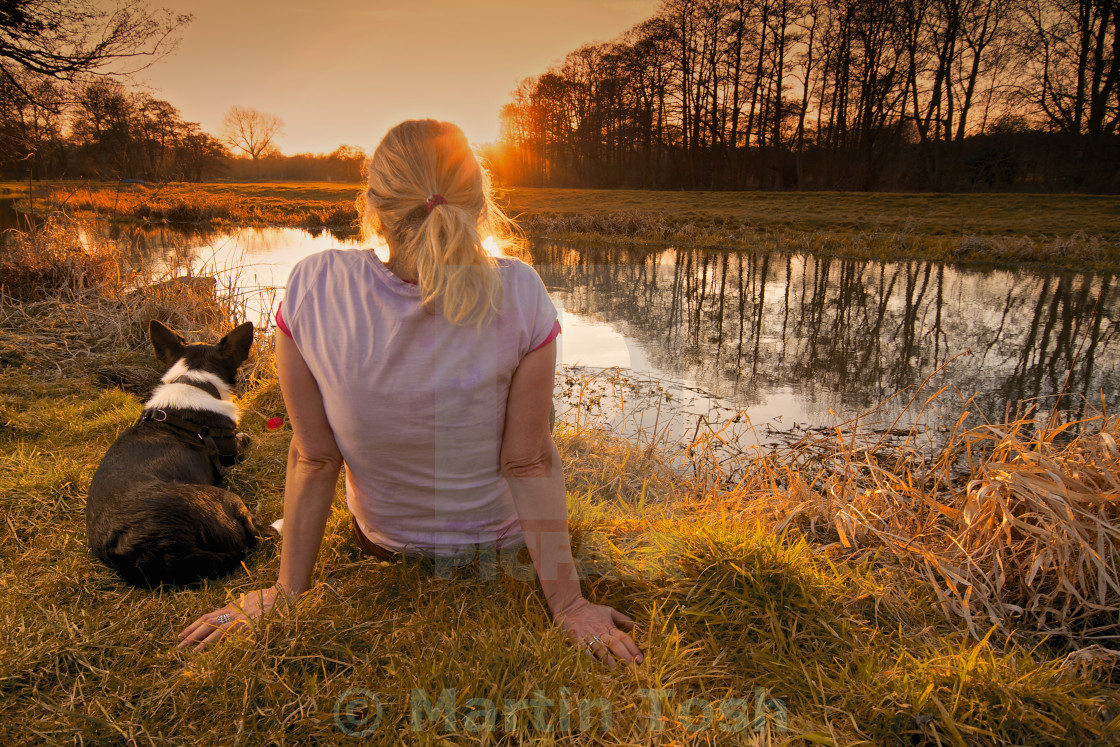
788,337
846,334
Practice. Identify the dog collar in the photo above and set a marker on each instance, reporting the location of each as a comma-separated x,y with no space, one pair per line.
205,386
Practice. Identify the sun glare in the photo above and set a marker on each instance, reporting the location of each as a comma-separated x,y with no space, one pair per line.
491,245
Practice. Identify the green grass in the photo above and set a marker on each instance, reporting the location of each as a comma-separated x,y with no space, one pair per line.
916,214
1064,231
825,644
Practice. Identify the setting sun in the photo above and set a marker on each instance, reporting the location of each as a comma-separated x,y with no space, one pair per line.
363,67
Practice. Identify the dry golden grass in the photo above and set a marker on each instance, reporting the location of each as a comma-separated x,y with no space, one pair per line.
1035,540
1013,526
1080,232
797,587
311,205
69,304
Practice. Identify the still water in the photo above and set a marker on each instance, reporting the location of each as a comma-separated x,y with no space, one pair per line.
787,342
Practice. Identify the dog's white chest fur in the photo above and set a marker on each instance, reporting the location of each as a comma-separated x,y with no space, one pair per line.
168,396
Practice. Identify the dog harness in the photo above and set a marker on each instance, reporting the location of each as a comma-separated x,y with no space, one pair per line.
219,442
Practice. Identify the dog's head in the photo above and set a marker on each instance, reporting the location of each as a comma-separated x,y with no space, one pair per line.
222,359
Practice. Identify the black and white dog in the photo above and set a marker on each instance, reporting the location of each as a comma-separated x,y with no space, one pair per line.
155,513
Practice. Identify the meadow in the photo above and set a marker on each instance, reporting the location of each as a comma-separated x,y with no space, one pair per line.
1069,231
845,590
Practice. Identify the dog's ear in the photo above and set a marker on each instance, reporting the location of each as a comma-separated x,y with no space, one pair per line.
235,346
168,343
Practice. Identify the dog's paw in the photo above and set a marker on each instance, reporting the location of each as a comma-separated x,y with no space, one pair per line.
278,525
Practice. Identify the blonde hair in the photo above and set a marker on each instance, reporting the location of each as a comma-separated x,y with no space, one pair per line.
441,243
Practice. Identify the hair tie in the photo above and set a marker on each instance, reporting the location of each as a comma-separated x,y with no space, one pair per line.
433,200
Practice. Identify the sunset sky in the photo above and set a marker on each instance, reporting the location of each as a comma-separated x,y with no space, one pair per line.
344,71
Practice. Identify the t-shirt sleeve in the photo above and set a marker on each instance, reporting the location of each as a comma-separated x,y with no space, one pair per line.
295,292
544,323
551,335
280,323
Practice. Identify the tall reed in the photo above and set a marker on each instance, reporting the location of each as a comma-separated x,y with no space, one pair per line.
1012,525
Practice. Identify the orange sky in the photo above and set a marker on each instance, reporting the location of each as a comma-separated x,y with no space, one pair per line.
344,71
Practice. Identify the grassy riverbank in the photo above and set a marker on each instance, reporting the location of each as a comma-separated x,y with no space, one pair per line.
1065,231
845,591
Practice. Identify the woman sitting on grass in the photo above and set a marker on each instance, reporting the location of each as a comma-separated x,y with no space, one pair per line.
430,378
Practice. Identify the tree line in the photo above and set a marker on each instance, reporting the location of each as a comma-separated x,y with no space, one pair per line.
832,94
101,129
66,112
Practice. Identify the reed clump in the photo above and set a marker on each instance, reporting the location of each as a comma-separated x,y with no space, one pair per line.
75,306
341,216
50,261
1013,526
1034,540
175,212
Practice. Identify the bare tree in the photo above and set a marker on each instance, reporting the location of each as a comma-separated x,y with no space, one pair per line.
856,94
1072,54
252,132
66,39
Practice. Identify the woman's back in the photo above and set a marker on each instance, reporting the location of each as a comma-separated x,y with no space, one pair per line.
417,404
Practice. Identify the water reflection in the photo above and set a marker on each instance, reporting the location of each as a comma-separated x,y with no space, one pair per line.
843,333
793,339
12,220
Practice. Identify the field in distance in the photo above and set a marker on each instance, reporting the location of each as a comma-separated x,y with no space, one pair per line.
1060,230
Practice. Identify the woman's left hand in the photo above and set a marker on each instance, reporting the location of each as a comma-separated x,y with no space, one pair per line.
598,629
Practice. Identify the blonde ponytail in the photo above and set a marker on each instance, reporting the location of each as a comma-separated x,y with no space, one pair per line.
440,240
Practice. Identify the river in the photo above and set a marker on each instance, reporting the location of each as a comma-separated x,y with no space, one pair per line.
785,342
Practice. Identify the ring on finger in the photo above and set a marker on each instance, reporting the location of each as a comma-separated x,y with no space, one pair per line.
223,618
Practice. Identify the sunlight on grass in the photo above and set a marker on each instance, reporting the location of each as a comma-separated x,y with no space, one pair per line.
1079,232
840,590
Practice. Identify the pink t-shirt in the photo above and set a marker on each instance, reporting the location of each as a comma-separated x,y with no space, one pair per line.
417,404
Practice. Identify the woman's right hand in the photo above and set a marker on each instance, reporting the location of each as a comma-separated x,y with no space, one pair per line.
209,628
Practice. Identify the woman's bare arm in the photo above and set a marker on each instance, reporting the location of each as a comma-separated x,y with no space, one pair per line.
313,465
535,475
314,462
532,467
